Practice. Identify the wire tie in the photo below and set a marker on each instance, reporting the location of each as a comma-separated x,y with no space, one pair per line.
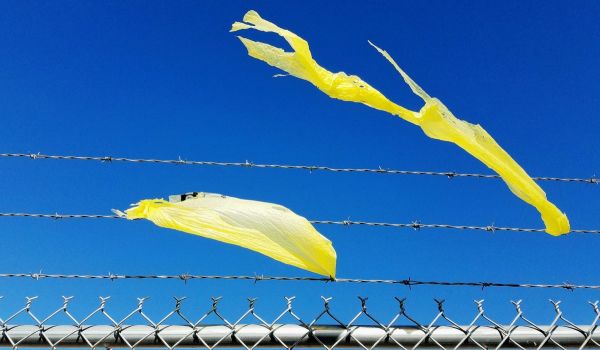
117,331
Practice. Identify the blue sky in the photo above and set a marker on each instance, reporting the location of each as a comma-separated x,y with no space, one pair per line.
167,80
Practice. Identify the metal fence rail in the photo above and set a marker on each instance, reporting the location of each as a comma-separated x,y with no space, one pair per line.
325,330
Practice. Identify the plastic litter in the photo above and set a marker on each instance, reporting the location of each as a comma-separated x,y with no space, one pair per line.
434,118
266,228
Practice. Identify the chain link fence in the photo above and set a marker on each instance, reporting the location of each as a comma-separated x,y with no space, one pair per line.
179,328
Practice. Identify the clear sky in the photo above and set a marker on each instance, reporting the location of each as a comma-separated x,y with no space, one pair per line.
167,79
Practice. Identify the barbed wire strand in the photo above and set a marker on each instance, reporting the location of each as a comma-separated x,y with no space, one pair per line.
257,278
248,164
416,225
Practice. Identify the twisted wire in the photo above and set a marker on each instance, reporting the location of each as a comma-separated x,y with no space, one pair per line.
416,225
293,327
248,164
257,278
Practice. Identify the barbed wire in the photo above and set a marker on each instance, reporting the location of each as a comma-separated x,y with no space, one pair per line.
249,164
57,216
258,278
100,328
415,225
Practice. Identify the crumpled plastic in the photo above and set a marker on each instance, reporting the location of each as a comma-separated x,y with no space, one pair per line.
434,118
266,228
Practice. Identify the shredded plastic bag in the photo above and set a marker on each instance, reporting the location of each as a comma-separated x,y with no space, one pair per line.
434,118
267,228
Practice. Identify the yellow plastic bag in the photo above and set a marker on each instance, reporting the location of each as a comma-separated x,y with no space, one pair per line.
434,118
267,228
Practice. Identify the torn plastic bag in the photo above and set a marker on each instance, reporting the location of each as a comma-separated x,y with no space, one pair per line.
434,118
267,228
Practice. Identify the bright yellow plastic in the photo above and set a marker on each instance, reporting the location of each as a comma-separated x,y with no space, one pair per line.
267,228
434,118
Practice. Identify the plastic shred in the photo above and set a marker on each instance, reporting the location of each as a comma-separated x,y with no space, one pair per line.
434,118
266,228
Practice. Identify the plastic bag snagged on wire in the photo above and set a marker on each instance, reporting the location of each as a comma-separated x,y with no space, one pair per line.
434,118
267,228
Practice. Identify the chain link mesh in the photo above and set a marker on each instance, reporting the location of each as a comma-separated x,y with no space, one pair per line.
99,328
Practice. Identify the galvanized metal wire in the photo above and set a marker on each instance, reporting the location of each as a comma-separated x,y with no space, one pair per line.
409,282
249,164
249,329
57,216
416,225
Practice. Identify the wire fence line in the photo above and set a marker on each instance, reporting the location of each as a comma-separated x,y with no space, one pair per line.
416,225
248,164
101,328
258,278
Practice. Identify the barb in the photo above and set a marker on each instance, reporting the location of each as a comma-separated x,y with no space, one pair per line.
185,277
211,329
415,225
248,164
